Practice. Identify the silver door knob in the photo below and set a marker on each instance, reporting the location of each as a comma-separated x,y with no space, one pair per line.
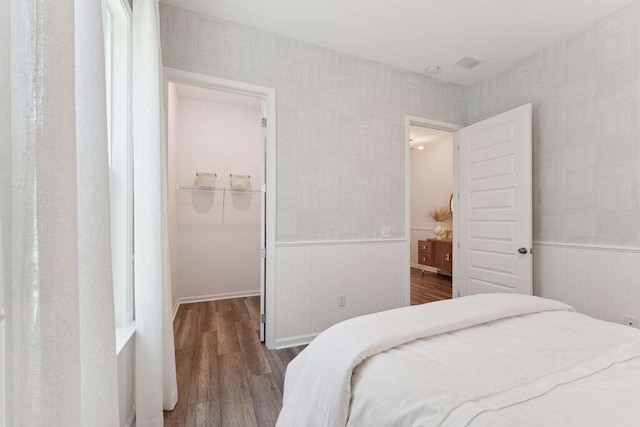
522,251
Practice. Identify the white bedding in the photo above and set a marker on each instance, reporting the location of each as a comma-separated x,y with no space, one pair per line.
428,382
460,362
610,397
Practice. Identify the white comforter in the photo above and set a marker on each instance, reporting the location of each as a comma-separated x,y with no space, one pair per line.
491,359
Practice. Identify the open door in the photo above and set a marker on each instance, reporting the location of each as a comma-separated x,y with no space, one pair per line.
493,214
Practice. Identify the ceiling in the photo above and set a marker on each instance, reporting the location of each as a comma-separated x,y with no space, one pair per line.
416,34
217,96
419,135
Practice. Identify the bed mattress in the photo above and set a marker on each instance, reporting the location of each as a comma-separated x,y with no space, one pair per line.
484,360
555,368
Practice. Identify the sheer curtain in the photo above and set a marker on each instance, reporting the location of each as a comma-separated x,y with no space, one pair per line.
60,337
155,358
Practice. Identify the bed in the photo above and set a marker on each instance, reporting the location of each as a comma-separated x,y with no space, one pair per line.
482,360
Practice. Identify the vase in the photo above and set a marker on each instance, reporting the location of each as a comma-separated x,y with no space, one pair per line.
438,229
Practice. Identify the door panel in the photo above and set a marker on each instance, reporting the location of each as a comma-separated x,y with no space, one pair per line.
494,205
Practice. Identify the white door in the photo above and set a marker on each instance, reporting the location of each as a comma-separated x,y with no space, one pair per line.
493,227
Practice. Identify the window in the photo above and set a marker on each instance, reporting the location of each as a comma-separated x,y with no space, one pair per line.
117,29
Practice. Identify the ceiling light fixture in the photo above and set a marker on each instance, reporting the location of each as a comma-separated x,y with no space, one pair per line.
432,70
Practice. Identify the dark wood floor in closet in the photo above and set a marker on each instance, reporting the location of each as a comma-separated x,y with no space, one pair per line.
226,377
429,287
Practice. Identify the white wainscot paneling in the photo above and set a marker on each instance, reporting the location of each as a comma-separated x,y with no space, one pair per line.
602,282
372,276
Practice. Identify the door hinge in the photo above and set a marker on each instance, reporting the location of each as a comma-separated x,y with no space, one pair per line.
262,318
264,187
264,122
263,252
458,145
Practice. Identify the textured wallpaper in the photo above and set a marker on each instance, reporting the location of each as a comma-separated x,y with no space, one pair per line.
585,92
341,122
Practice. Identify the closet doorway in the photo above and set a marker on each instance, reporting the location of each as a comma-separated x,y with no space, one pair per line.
430,182
219,148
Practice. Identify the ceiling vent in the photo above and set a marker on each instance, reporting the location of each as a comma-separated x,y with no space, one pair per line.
467,62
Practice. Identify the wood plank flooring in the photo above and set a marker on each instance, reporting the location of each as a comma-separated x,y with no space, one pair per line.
429,287
226,377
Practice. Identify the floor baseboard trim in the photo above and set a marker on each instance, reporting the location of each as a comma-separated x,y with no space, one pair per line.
203,298
430,269
424,267
294,341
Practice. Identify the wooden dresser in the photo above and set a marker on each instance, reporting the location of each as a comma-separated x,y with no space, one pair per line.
436,253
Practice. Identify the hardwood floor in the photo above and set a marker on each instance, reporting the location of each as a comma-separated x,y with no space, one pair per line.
226,377
429,287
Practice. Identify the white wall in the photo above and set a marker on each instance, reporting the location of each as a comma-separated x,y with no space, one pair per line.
216,235
596,280
367,274
172,180
586,161
340,158
126,384
340,122
431,185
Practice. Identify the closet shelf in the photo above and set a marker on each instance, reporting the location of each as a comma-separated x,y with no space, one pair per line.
212,190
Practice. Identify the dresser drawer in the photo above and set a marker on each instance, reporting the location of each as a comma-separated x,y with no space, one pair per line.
424,246
425,258
436,253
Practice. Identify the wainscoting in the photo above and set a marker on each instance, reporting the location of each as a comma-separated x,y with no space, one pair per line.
371,274
602,282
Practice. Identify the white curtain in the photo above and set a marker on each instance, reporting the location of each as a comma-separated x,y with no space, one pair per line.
60,343
155,358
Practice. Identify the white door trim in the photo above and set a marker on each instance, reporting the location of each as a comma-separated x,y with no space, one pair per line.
432,124
269,97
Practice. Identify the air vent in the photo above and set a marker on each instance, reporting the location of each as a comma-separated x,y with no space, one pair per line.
467,62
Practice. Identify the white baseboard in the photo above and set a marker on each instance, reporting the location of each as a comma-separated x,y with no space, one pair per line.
295,341
430,269
202,298
424,267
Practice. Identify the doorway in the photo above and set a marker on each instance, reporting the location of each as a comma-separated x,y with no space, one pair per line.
220,155
430,181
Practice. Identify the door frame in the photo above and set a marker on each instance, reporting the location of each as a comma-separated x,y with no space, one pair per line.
268,95
437,125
